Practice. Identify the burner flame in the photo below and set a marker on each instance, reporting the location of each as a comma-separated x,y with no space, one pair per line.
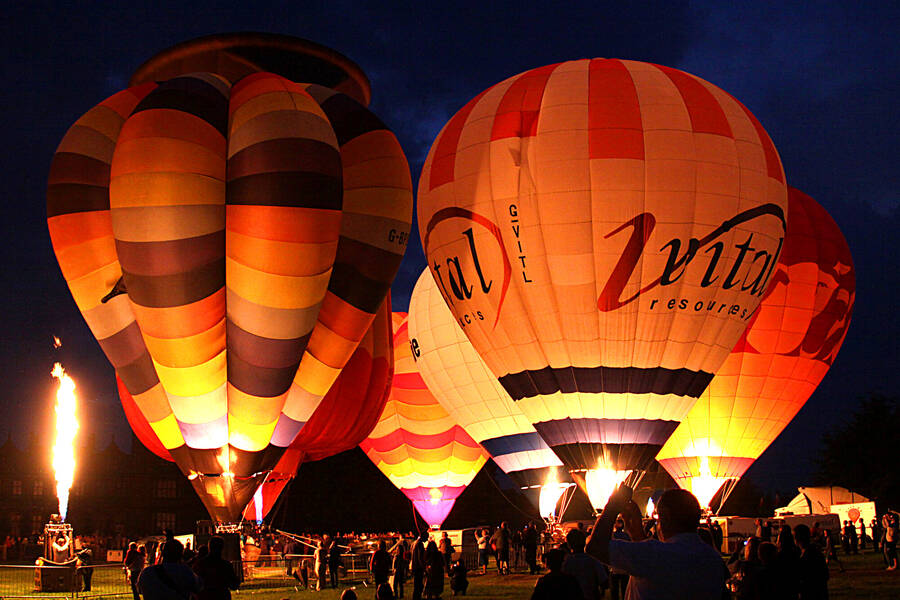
64,445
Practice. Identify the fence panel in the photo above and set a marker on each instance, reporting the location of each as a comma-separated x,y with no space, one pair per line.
270,572
51,581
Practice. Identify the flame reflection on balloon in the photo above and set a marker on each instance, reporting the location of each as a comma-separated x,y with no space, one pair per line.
258,503
64,445
600,483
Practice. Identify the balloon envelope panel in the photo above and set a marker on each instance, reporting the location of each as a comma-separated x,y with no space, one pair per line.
139,424
416,443
787,349
361,390
603,230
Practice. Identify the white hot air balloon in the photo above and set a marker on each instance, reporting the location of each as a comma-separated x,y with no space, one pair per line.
465,387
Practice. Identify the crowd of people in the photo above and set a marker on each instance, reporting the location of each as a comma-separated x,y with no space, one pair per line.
881,535
621,556
177,574
415,562
680,557
418,564
14,548
796,563
794,566
427,561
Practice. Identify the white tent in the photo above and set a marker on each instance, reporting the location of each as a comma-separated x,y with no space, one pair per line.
819,500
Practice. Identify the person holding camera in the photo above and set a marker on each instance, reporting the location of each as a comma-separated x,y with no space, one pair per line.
678,565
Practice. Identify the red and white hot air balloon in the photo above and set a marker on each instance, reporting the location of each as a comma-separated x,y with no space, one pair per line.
603,230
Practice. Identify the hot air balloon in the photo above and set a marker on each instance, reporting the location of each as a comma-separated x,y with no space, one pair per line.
603,230
776,365
228,235
417,444
464,386
361,390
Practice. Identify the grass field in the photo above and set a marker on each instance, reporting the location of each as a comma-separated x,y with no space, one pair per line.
864,577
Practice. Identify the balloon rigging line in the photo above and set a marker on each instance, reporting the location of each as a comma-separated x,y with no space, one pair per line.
280,502
505,497
305,540
730,485
567,499
416,518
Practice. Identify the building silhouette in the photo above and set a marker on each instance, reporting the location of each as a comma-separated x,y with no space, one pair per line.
115,492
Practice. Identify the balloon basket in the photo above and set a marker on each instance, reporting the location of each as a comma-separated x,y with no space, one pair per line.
57,569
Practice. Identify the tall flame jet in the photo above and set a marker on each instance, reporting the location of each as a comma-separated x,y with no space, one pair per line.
64,445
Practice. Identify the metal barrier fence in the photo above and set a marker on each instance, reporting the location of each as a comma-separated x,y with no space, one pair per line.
52,582
276,572
516,559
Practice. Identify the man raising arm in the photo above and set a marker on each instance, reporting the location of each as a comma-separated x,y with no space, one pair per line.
679,566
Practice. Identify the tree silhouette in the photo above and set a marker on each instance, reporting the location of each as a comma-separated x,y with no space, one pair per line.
861,454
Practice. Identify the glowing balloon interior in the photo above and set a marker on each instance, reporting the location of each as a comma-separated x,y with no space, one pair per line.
417,444
703,485
463,385
600,483
603,230
550,495
776,365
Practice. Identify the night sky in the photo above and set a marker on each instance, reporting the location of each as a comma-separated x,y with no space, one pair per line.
821,77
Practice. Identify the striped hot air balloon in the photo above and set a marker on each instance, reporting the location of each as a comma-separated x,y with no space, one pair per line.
603,230
417,444
360,392
228,243
462,383
777,364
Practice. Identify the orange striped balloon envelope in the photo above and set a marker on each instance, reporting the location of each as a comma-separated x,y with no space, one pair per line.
462,383
417,444
228,244
782,357
603,230
361,391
